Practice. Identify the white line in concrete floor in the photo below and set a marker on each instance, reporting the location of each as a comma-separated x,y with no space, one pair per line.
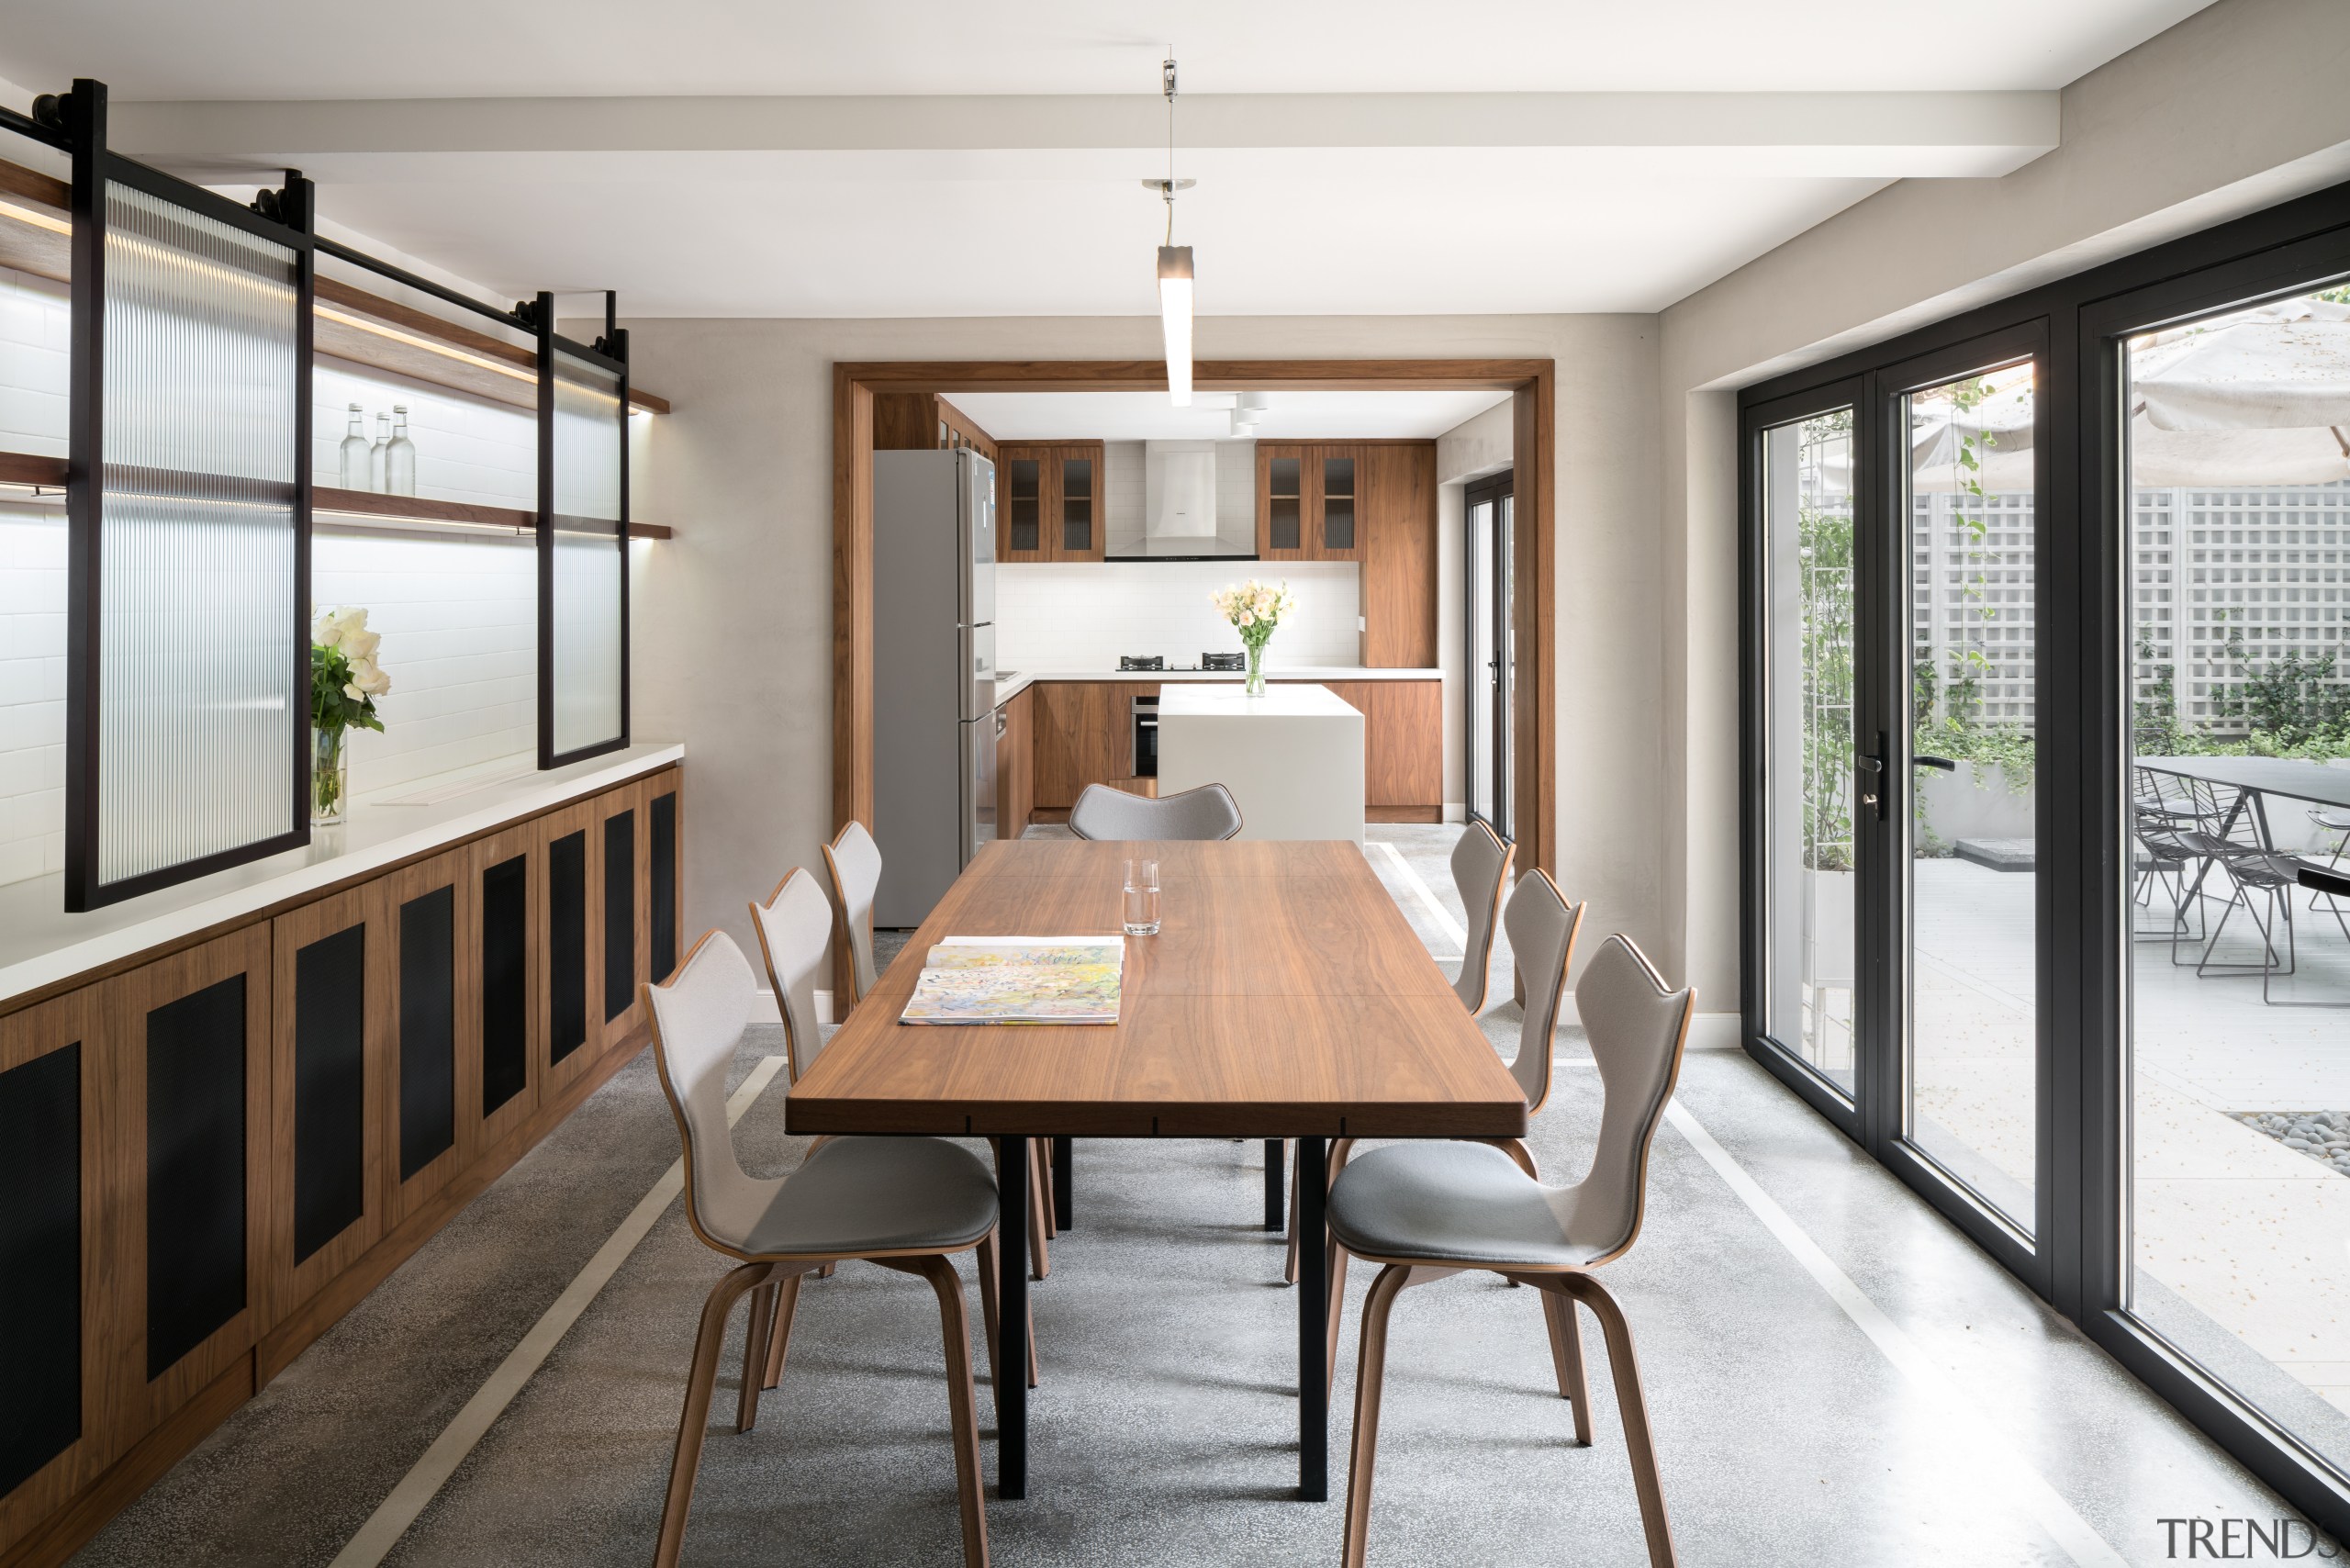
1413,880
2078,1539
392,1518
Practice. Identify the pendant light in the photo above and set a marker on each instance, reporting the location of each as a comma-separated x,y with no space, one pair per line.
1174,265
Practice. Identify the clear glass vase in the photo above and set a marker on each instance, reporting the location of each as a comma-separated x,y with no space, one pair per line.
1256,687
330,776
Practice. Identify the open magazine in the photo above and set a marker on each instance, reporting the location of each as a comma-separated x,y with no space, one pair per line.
1019,979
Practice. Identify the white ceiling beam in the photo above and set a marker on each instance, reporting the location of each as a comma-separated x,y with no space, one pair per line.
1988,132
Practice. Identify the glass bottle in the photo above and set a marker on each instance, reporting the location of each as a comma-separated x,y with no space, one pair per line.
354,452
376,453
399,457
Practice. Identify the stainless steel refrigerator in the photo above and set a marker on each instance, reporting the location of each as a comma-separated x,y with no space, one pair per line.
934,723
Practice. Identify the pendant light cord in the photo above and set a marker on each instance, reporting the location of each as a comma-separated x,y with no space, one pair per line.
1167,85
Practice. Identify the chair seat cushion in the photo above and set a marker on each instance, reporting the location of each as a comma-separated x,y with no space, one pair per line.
1466,1203
878,1194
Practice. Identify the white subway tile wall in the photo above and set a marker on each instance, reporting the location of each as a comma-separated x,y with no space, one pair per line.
34,363
467,449
1081,615
32,693
459,618
459,614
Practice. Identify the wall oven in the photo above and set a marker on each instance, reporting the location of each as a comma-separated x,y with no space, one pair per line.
1143,723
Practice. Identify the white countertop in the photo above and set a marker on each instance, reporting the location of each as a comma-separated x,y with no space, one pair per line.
41,944
1292,701
1005,690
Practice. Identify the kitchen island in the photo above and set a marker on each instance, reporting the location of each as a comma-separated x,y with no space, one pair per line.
1292,758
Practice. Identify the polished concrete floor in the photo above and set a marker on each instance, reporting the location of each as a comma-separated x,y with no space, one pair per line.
1836,1377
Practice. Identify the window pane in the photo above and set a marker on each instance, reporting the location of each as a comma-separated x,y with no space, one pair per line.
589,428
1973,967
199,673
2239,562
1807,528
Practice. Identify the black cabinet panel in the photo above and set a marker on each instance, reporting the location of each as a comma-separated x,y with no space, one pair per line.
620,913
505,982
195,1170
427,1043
663,873
40,1262
330,1088
566,944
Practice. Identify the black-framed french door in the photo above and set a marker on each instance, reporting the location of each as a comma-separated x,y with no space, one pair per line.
1489,653
2090,547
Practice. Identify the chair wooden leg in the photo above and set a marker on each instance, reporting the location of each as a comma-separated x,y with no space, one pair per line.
955,1325
1371,1373
754,1356
1333,1270
786,1306
701,1380
1339,1148
1633,1405
1566,1358
993,1313
1040,1212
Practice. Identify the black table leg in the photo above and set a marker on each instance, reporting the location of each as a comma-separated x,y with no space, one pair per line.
1064,1182
1313,1325
1011,1308
1276,1212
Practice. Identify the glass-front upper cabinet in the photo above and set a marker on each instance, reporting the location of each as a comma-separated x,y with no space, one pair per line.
1309,501
1051,497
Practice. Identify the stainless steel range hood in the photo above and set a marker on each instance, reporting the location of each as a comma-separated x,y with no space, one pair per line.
1180,518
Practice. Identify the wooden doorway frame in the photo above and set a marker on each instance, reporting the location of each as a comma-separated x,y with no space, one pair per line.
1531,383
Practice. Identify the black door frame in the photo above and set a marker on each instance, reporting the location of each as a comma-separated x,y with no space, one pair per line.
2077,1262
1493,488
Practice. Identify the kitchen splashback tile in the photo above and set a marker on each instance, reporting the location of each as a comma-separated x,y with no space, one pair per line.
1081,615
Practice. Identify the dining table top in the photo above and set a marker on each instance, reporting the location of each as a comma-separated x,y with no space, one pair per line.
2295,777
1283,996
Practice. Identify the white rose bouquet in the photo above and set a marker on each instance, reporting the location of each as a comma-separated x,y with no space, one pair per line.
345,680
1255,609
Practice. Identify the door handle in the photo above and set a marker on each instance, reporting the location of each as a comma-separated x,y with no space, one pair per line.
1872,778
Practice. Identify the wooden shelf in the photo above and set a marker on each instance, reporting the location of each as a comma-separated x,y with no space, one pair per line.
354,325
329,504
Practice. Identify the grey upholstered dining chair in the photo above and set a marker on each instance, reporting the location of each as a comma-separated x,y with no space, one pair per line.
905,1204
1481,866
1427,1210
853,861
1206,813
1542,926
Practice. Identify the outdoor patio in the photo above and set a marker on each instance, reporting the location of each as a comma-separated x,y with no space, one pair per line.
2228,1224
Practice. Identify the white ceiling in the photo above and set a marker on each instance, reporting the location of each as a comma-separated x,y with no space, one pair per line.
1591,156
433,49
1291,416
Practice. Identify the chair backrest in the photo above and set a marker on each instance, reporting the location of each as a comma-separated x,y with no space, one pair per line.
795,925
1481,864
854,862
1636,1028
697,1017
1542,926
1206,813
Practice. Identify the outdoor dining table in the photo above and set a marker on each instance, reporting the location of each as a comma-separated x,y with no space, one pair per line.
2256,777
1283,997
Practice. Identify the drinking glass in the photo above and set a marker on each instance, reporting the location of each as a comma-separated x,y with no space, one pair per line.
1142,898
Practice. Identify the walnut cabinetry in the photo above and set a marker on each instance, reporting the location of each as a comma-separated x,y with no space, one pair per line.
1015,765
1051,503
209,1156
1309,498
1084,735
923,421
1372,502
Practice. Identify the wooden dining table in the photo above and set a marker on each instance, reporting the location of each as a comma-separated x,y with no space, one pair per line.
1284,996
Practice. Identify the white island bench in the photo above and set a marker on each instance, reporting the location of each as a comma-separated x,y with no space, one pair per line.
1293,758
